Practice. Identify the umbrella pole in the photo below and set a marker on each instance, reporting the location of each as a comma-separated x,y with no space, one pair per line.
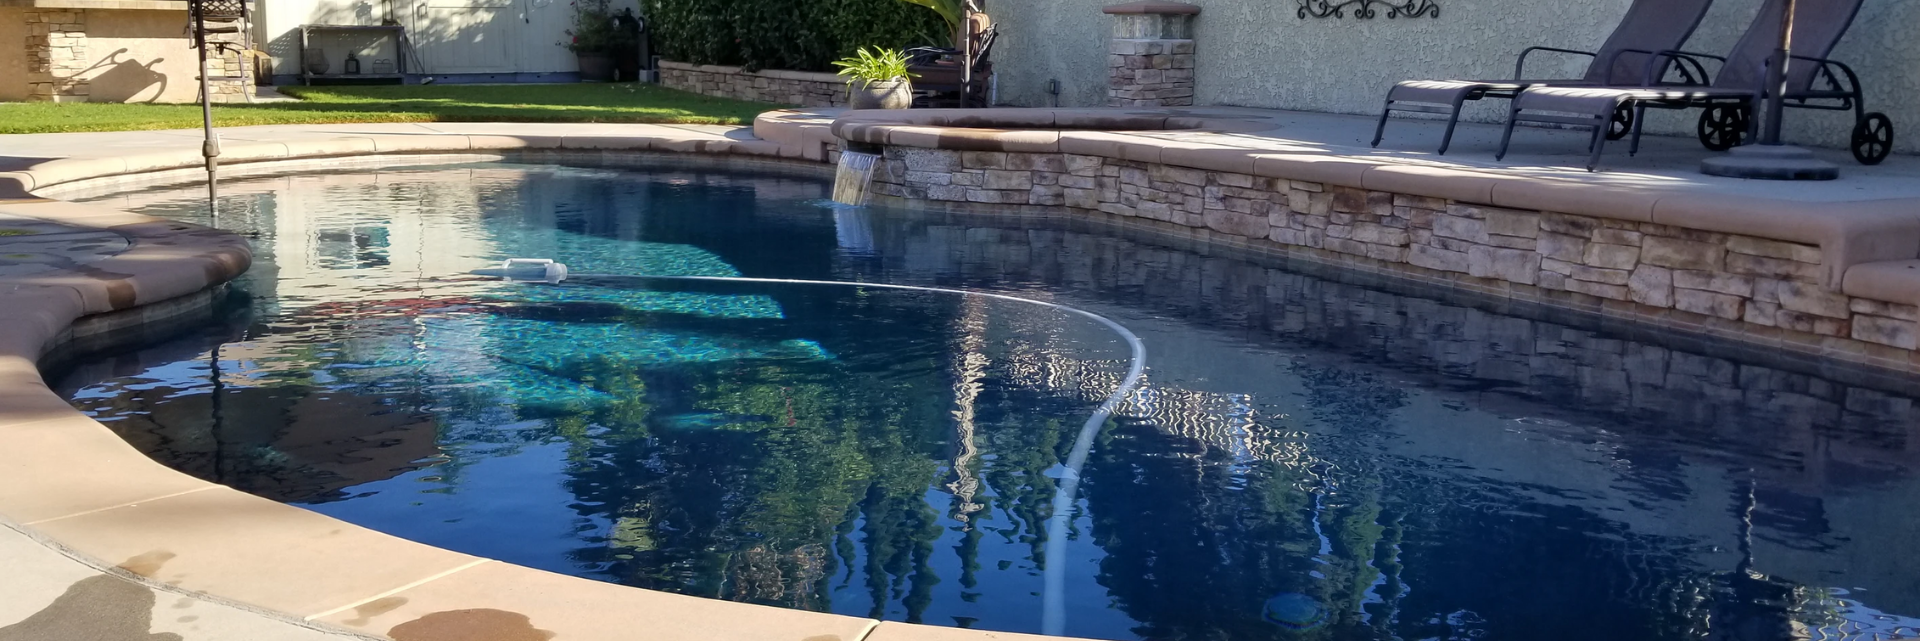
966,53
210,148
1770,159
1777,77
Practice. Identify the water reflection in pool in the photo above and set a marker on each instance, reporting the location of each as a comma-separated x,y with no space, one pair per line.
1311,459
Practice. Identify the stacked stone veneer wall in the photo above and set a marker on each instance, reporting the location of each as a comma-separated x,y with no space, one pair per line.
56,51
1156,73
1150,57
231,71
1713,282
799,88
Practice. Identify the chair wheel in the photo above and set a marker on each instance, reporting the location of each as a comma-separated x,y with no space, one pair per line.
1621,124
1723,127
1872,138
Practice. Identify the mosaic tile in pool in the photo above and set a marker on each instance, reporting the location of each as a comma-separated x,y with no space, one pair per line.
1310,460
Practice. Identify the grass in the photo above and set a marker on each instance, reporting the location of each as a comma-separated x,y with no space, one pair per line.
579,102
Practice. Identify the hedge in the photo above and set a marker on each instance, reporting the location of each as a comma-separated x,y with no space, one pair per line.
803,35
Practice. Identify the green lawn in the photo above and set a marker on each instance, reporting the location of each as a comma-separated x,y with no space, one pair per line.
579,102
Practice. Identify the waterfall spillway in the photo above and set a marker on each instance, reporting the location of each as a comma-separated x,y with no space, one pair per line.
851,179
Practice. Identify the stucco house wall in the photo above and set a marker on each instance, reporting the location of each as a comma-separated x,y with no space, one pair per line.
13,60
1258,53
141,56
129,51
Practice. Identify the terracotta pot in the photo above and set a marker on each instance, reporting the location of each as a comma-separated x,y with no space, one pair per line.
880,94
595,67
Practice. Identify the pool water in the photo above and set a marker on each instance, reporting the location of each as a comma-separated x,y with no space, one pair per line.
1310,457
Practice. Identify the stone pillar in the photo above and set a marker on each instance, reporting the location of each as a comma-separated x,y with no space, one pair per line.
1150,58
231,70
56,55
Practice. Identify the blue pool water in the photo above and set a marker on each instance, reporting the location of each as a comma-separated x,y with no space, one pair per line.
1312,457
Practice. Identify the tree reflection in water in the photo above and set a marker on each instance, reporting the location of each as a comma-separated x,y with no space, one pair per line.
1312,460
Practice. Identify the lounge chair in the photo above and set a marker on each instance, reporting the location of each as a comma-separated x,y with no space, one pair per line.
1736,91
1650,25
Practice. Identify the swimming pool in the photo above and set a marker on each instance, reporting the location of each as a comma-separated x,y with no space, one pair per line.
1310,457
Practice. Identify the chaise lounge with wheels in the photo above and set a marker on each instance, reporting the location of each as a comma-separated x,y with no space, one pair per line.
1649,26
1813,82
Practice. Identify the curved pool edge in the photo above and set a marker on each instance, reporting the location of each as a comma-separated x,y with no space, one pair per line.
74,485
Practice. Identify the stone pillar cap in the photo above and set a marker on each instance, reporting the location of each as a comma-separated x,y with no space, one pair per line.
1161,7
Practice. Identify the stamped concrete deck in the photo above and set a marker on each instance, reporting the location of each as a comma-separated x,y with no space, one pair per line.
97,535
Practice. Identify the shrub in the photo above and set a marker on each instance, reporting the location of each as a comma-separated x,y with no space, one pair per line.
804,35
593,30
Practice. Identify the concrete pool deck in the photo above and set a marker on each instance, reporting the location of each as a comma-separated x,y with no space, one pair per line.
98,527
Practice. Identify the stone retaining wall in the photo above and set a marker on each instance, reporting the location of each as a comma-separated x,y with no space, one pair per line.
1751,288
801,88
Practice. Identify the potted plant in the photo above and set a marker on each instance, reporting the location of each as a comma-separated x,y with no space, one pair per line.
594,38
877,79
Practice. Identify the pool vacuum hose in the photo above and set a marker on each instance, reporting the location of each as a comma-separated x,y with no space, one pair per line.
1053,596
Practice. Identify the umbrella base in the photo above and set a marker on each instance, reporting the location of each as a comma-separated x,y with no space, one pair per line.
1770,162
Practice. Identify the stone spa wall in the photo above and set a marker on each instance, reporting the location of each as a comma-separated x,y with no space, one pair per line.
1748,288
799,88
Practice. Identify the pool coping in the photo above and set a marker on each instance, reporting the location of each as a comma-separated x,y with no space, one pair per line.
71,482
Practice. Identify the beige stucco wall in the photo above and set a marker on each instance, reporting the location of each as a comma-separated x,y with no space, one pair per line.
140,56
13,58
1258,53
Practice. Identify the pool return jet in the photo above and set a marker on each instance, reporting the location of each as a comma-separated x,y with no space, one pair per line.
1053,617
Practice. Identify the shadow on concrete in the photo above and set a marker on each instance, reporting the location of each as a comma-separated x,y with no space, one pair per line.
20,163
97,608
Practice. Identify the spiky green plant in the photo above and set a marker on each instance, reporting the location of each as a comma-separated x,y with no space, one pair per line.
874,65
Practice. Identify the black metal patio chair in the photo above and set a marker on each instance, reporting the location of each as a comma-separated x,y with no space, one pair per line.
1813,81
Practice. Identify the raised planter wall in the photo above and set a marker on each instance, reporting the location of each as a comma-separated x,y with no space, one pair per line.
775,86
1742,287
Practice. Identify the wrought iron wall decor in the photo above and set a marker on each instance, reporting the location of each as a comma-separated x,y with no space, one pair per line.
1364,10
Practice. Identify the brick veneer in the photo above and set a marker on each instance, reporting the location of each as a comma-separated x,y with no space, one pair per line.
801,88
1715,282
